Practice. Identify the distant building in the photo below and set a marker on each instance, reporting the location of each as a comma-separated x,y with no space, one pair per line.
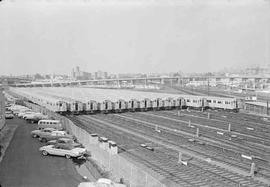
76,74
101,75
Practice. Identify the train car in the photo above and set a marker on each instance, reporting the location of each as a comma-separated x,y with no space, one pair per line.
115,106
133,105
222,103
148,104
74,107
145,104
105,106
91,106
122,105
142,105
157,104
169,103
179,103
195,101
119,105
54,105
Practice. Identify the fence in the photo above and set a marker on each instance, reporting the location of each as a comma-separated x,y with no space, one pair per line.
117,165
2,109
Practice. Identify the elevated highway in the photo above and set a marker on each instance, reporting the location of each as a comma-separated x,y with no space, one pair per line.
147,80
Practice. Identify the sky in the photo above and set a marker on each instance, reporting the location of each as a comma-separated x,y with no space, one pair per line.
137,36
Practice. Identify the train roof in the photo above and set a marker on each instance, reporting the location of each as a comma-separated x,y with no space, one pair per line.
69,94
256,103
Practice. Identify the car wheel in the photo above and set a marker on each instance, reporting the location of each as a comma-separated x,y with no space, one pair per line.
68,156
44,153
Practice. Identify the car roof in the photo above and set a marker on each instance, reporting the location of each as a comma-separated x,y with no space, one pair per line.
65,139
49,129
49,120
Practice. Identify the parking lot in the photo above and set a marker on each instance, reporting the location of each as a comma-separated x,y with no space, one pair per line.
24,166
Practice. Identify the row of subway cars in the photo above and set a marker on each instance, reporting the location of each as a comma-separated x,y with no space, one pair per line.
74,106
50,132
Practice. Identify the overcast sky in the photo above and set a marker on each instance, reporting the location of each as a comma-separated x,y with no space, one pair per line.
191,36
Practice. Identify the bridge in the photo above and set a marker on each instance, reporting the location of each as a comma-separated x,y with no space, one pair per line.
148,80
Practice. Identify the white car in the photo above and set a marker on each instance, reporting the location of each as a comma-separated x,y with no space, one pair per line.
37,133
102,182
21,114
27,115
63,151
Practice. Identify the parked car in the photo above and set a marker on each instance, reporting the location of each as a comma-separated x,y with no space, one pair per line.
45,123
55,135
102,182
9,115
63,151
25,116
64,142
35,117
21,114
46,131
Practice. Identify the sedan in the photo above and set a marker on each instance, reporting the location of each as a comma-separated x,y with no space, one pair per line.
58,150
38,133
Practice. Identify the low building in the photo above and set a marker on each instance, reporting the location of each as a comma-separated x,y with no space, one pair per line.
257,107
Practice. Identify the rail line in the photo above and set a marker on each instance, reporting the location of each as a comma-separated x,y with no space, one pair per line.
156,137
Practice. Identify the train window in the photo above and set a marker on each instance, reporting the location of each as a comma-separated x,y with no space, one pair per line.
60,104
209,101
188,100
219,102
214,101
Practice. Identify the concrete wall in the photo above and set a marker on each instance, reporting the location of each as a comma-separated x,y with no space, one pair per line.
2,108
117,165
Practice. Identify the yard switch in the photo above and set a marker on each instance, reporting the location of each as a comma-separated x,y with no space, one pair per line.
252,169
197,132
229,127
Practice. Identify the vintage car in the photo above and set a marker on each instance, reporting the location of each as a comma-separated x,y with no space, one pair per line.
35,117
46,131
55,135
64,142
102,182
59,150
23,113
9,115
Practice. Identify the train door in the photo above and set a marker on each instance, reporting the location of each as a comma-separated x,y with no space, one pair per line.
76,106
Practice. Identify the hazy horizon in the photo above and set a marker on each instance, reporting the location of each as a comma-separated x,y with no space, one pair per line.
191,36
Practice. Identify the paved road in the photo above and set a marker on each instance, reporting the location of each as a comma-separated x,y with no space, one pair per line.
24,166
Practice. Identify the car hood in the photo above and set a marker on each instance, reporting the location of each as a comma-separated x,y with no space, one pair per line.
52,141
45,147
35,131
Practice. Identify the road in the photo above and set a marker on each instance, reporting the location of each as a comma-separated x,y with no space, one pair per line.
24,166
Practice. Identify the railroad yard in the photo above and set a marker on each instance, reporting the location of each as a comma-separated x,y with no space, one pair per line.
213,158
184,144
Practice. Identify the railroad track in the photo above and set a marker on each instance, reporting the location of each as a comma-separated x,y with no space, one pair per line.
225,172
206,132
158,136
259,135
92,127
220,151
